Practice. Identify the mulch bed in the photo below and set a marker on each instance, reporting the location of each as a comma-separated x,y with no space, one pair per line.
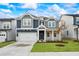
60,45
76,40
57,42
53,42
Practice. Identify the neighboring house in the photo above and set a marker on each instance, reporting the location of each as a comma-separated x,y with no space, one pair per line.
67,25
33,28
7,29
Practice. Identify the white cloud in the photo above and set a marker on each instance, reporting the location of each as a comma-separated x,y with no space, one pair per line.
3,15
4,4
41,13
62,11
57,9
34,12
69,5
12,6
29,5
77,12
49,11
6,10
8,5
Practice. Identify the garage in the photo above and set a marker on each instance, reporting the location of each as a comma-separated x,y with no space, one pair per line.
2,36
27,36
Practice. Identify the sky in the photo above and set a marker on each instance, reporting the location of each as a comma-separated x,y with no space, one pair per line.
38,9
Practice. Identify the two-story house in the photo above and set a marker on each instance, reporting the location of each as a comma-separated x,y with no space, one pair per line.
68,26
30,27
7,29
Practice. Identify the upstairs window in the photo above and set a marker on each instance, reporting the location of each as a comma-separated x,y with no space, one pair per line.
26,22
6,25
76,21
51,24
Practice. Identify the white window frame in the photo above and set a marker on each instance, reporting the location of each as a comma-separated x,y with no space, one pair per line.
77,20
51,24
6,24
26,20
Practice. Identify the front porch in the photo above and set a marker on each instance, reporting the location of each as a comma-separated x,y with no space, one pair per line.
45,34
48,34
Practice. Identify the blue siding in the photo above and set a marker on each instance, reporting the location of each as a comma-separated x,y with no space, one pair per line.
18,23
41,21
35,23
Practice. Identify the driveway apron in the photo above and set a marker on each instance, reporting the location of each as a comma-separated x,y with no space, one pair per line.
17,49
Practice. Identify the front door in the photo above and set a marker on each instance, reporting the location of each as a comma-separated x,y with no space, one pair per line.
41,35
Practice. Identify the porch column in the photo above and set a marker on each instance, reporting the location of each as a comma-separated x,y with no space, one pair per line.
59,36
38,34
52,35
45,35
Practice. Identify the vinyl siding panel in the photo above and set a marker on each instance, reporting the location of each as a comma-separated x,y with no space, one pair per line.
18,23
35,23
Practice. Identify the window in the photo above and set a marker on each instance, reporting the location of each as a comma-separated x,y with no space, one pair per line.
6,25
67,33
54,34
51,24
77,21
26,22
48,34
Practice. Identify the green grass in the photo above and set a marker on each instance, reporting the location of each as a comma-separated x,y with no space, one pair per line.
71,46
2,44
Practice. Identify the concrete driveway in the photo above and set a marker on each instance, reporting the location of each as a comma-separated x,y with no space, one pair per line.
17,49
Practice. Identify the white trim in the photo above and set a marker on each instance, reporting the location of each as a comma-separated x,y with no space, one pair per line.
41,26
44,35
52,23
53,35
26,20
26,28
42,30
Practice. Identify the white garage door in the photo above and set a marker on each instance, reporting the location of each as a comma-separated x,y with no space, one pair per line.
2,36
27,36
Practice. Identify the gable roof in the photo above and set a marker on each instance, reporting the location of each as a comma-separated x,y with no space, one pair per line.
32,16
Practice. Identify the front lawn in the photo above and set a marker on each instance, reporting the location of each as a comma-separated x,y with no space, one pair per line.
2,44
71,46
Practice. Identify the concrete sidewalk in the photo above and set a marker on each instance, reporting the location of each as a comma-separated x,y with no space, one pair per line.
54,54
16,49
